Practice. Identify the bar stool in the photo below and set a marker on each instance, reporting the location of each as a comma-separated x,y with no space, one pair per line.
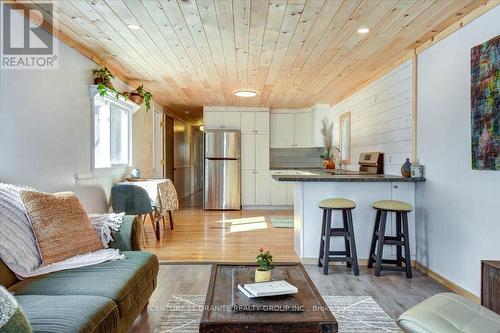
400,240
347,231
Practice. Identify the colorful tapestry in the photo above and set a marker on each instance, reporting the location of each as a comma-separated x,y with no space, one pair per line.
485,105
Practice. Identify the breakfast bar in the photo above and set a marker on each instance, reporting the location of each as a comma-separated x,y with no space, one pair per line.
312,186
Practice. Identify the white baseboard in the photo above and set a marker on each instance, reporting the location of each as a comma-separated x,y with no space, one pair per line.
267,207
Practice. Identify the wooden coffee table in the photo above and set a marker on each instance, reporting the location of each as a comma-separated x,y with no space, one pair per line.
217,315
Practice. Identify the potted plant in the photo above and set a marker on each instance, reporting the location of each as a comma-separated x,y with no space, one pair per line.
140,95
103,76
265,261
327,133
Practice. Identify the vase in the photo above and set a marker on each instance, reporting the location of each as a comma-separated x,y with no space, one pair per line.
406,169
262,276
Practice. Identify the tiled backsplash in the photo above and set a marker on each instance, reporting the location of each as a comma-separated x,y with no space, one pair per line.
295,157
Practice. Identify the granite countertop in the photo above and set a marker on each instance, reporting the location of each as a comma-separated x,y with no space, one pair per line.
345,176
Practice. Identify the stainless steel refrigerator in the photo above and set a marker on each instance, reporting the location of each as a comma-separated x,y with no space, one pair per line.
222,170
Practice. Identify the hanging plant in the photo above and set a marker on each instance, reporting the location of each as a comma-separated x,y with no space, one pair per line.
139,95
103,76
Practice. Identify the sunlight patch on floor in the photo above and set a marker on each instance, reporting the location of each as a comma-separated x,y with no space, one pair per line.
245,220
247,227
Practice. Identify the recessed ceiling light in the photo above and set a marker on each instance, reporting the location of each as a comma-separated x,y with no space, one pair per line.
363,30
245,93
133,26
202,128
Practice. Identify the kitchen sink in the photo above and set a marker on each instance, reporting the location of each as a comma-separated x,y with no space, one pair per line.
294,173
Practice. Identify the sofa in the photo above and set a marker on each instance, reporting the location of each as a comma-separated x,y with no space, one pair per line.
106,297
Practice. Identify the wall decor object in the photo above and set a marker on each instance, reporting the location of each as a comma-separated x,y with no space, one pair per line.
485,105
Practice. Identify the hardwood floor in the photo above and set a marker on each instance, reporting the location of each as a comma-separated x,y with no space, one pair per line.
392,291
214,236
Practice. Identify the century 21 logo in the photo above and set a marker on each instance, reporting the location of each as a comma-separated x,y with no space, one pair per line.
27,40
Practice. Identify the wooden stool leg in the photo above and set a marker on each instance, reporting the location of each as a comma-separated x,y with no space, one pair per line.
399,257
380,245
326,253
346,239
164,224
352,252
407,245
374,239
322,242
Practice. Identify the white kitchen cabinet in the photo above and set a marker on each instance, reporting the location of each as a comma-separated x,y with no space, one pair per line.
248,187
221,119
261,151
292,130
261,123
254,122
262,188
290,191
248,152
247,122
231,119
212,120
278,192
303,126
282,126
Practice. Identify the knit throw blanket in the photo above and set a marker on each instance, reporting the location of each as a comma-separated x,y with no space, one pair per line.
18,246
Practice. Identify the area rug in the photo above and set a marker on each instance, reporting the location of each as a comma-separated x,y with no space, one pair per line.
354,314
281,222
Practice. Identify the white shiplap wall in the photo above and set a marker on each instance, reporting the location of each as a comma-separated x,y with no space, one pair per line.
381,116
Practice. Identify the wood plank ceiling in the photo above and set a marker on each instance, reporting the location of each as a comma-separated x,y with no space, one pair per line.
293,53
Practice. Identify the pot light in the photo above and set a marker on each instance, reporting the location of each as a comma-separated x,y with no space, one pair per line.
363,30
202,128
245,93
133,26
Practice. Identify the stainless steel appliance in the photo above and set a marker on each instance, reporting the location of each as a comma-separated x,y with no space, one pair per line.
222,170
371,163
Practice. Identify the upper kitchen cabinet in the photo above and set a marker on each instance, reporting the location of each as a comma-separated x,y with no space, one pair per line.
292,130
254,122
303,126
282,125
221,119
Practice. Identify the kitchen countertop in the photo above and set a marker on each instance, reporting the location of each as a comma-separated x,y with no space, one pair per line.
346,176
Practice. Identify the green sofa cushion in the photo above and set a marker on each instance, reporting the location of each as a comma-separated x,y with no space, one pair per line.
122,281
128,237
67,314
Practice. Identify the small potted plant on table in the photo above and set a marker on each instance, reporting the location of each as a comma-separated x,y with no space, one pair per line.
263,273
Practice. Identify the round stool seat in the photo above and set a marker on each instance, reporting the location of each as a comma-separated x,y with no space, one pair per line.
337,203
392,206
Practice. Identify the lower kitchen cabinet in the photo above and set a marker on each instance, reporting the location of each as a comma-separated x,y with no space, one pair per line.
278,193
262,188
255,188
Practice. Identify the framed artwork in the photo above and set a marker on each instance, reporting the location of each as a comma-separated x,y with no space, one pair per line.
485,105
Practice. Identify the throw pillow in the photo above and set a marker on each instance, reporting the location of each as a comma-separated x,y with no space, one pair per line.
60,224
18,247
12,317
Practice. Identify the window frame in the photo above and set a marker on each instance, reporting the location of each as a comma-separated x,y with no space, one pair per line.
122,104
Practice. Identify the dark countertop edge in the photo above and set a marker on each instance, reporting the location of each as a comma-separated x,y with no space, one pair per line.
296,168
319,178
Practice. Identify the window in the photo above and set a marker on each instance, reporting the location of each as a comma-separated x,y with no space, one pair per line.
112,133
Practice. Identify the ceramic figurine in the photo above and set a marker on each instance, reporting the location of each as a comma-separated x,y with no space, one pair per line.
406,169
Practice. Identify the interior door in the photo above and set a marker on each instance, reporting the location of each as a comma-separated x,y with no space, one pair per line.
168,128
158,144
